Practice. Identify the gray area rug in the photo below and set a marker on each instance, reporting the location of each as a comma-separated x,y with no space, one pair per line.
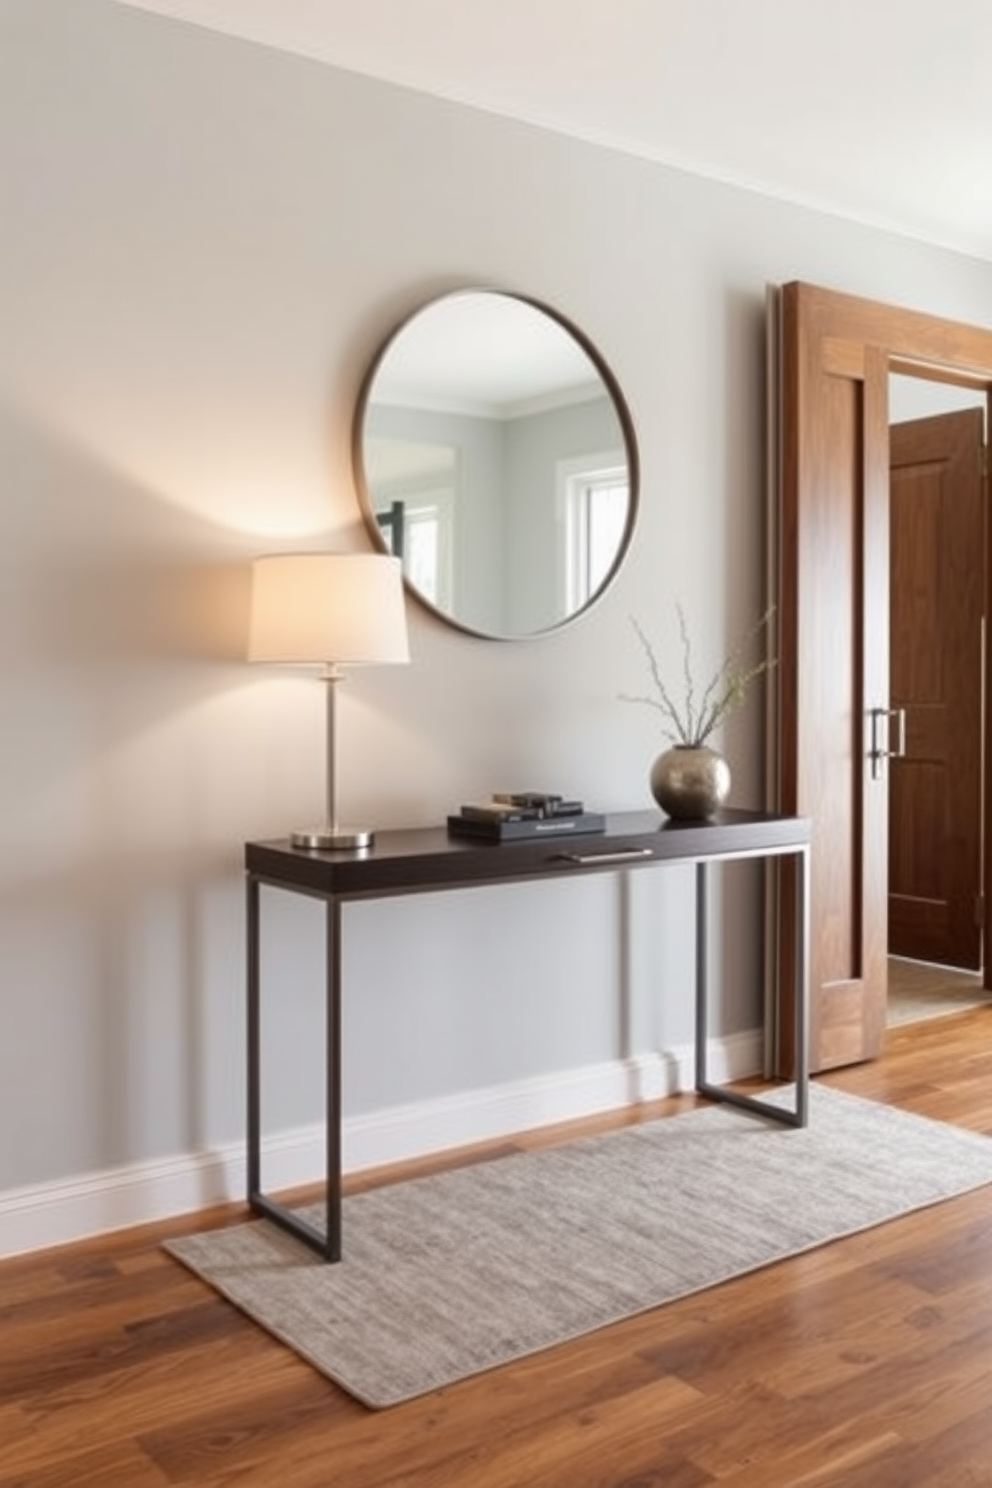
446,1276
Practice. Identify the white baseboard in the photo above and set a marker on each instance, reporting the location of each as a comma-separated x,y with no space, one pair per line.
42,1215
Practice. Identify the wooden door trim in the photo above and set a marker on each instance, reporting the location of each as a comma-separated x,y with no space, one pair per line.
874,661
827,335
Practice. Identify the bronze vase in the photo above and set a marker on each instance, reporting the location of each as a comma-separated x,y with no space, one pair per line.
690,781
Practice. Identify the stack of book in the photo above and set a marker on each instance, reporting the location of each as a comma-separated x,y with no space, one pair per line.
512,817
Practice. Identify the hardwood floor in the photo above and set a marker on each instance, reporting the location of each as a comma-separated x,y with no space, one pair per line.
866,1364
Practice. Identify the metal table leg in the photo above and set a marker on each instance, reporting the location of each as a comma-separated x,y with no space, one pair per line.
327,1243
798,1114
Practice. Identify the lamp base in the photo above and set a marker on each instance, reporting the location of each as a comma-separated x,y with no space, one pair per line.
332,839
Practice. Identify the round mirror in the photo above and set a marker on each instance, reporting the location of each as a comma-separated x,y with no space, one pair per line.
495,456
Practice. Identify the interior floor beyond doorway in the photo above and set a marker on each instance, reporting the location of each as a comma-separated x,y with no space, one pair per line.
920,990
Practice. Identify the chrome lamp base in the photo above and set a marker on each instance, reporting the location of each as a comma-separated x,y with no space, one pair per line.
332,839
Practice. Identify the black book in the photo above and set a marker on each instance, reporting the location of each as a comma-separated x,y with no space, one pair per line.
498,811
542,802
496,829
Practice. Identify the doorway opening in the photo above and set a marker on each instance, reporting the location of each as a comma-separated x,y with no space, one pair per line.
936,725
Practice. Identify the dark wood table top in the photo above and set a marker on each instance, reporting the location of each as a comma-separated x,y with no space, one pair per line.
425,858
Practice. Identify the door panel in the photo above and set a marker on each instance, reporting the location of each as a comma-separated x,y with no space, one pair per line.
831,554
936,658
833,544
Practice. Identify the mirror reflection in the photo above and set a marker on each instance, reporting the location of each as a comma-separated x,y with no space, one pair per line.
495,456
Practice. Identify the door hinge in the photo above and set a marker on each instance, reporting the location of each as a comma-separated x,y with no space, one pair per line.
983,460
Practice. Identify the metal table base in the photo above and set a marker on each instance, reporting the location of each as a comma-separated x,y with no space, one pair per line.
423,861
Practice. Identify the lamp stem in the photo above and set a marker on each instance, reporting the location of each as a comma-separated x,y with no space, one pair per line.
332,676
330,835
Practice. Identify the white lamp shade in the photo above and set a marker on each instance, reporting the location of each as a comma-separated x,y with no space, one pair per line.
337,608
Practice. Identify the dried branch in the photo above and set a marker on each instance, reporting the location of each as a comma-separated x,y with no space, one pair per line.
690,723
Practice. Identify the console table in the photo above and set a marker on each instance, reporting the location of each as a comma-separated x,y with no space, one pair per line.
421,861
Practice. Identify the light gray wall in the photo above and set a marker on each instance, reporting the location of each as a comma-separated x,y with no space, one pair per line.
914,397
202,244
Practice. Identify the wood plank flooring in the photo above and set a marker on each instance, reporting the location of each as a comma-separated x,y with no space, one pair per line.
866,1364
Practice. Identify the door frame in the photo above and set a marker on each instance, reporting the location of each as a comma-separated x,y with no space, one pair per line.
832,354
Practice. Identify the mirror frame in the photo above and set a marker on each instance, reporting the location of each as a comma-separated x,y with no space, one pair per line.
620,408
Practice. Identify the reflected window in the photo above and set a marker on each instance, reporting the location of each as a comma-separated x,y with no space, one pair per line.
420,480
596,497
427,549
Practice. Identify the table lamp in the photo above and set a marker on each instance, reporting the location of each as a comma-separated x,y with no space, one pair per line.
336,610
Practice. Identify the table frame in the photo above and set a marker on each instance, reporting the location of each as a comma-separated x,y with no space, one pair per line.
430,860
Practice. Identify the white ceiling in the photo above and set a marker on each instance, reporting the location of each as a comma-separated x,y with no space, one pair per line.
880,110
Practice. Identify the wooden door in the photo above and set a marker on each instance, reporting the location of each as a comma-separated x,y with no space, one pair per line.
831,587
936,492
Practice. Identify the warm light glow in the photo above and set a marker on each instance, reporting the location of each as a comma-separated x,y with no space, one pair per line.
329,608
